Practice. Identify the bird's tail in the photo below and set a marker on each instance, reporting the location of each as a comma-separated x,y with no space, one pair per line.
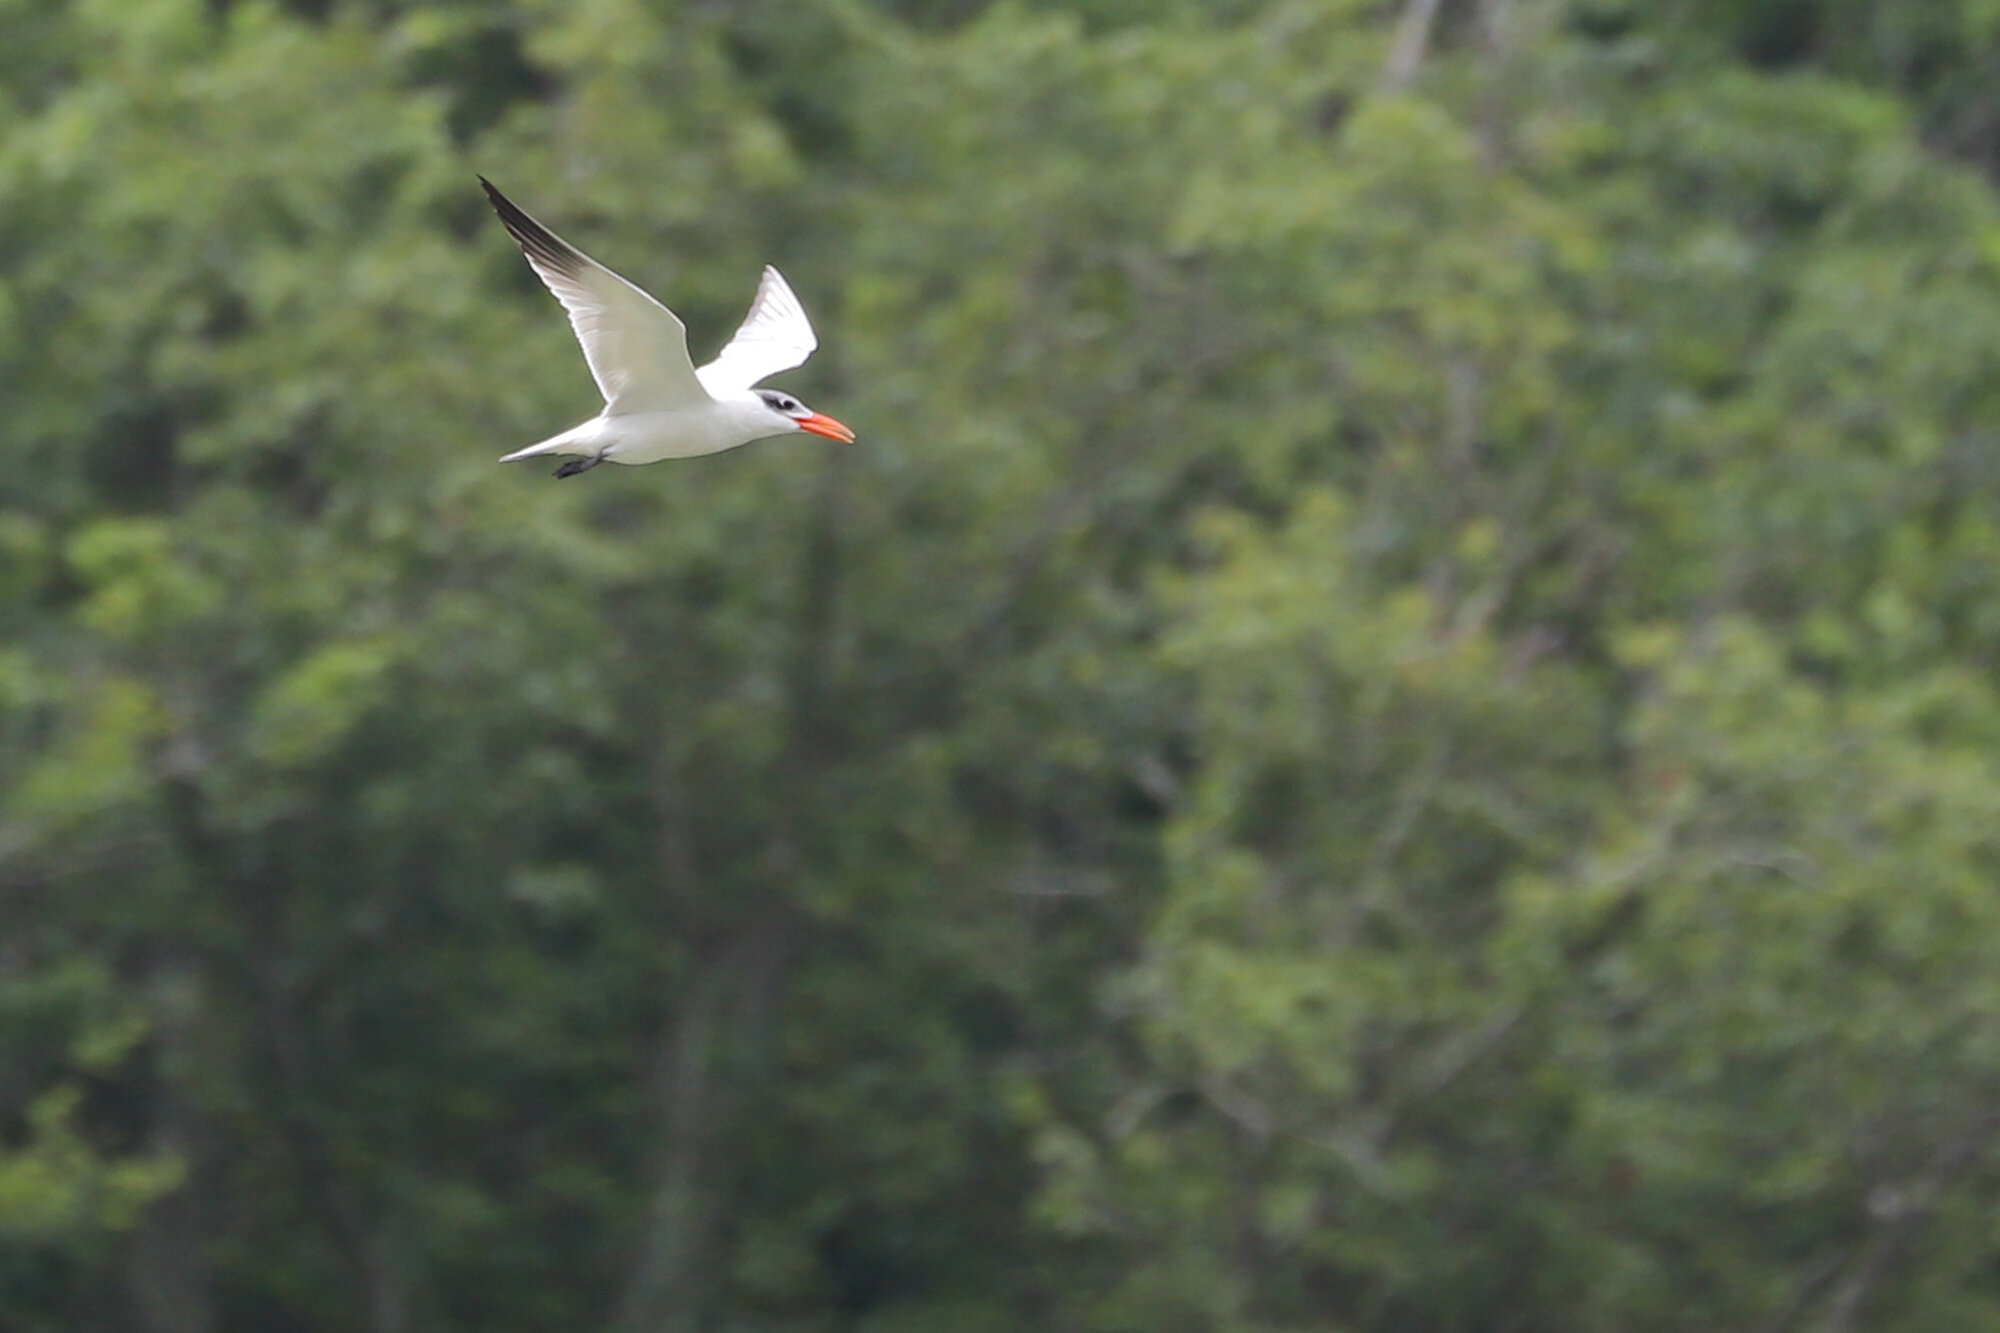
575,440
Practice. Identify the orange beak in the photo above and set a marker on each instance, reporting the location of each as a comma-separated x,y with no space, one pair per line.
819,423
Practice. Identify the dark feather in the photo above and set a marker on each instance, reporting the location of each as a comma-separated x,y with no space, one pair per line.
537,242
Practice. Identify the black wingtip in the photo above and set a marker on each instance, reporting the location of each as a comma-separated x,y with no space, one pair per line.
509,211
536,241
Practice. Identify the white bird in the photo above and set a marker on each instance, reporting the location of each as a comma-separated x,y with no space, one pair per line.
657,405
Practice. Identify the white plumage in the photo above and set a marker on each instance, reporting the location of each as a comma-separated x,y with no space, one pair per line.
656,404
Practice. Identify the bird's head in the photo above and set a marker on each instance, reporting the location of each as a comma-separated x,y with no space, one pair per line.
801,417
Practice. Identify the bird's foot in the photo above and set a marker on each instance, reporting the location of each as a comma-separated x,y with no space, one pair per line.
576,465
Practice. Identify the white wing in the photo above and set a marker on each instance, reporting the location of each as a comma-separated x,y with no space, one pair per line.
774,336
636,347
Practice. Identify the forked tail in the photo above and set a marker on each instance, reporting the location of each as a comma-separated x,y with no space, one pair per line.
575,440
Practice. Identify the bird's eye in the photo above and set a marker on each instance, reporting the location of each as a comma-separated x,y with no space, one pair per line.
788,404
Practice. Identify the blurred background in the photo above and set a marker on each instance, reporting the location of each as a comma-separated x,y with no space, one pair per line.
1391,729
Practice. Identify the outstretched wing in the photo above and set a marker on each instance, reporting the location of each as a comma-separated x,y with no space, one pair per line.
636,347
774,336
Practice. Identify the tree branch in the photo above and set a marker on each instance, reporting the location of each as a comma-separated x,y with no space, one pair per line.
1413,38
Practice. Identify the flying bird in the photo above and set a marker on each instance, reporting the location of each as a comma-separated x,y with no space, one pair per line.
657,404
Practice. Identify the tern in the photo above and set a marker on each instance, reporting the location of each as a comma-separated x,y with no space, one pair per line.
657,405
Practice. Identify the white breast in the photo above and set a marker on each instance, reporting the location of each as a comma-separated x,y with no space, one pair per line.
687,432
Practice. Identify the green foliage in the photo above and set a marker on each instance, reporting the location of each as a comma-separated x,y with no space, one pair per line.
1391,726
57,1186
69,1024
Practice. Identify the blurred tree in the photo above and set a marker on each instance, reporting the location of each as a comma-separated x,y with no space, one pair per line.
1389,727
1652,383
